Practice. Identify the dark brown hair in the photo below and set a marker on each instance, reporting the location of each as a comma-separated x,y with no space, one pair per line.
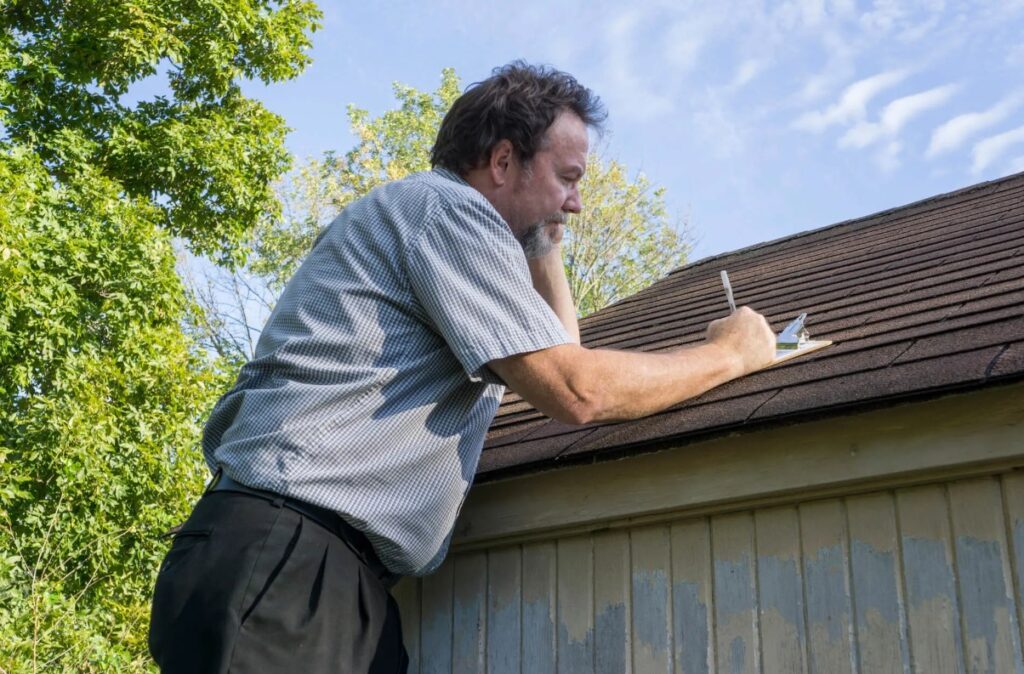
518,102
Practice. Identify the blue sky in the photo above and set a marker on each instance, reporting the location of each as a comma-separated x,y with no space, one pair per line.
762,119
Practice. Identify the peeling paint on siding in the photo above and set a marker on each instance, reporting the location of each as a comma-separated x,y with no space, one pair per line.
918,579
735,594
988,612
436,631
930,575
436,648
931,599
538,628
539,589
503,639
733,585
612,649
575,655
575,613
737,656
874,576
466,644
691,628
781,614
650,619
779,581
881,628
610,654
828,606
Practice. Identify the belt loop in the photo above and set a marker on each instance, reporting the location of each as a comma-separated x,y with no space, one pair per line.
277,502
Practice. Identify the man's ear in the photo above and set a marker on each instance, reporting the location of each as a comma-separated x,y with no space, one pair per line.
502,159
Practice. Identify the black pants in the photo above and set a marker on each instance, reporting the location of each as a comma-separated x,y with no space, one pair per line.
251,586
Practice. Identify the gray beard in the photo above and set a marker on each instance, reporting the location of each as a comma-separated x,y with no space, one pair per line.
535,242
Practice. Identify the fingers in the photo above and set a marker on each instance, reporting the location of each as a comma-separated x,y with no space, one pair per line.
555,231
748,335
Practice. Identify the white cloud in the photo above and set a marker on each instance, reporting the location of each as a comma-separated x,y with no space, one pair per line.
896,115
801,13
852,105
682,45
717,127
1015,55
917,32
888,158
686,32
988,150
884,16
747,71
813,12
902,110
1017,165
843,8
956,131
624,86
908,21
840,52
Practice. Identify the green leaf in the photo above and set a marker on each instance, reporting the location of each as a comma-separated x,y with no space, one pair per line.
104,390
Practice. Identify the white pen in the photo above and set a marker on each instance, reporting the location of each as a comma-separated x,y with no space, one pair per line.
728,291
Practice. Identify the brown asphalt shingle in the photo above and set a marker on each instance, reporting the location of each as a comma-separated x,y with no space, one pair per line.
919,300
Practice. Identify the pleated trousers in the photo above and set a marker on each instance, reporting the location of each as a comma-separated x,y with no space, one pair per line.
250,585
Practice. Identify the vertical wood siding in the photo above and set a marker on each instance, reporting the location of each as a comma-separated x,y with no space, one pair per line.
924,579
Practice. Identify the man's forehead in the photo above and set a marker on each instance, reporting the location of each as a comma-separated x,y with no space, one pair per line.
568,123
567,136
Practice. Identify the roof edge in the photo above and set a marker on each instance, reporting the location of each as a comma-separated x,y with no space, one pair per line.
688,438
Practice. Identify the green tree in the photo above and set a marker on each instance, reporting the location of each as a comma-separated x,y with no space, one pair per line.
622,241
102,392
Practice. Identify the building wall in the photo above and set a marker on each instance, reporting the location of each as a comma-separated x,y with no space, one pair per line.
925,578
886,541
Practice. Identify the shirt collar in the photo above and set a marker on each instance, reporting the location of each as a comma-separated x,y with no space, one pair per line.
449,174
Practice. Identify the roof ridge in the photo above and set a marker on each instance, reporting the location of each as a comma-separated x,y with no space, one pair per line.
850,221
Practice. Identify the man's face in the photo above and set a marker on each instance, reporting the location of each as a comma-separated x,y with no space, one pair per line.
546,190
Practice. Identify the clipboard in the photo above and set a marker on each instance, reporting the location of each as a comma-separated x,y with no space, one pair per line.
782,355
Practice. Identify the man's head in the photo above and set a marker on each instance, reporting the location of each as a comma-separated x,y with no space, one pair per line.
520,137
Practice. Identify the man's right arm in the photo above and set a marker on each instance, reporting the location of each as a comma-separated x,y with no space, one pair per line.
577,385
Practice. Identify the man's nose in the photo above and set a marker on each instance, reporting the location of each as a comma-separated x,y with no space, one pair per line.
573,204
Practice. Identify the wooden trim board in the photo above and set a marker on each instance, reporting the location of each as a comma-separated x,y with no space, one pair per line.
957,435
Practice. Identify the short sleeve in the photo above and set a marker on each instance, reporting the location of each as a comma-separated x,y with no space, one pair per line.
469,273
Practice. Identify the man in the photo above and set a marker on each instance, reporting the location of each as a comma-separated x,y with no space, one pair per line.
347,446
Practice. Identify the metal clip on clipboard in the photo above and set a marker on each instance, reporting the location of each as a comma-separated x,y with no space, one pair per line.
794,336
795,340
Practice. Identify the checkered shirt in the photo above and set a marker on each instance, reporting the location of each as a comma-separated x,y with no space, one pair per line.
369,392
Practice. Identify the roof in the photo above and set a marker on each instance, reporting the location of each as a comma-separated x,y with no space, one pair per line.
920,301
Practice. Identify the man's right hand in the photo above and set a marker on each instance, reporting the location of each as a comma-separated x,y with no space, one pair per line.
747,335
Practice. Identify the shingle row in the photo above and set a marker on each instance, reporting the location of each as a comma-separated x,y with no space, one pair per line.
919,300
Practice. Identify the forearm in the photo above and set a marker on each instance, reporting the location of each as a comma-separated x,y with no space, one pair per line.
550,282
577,385
619,385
